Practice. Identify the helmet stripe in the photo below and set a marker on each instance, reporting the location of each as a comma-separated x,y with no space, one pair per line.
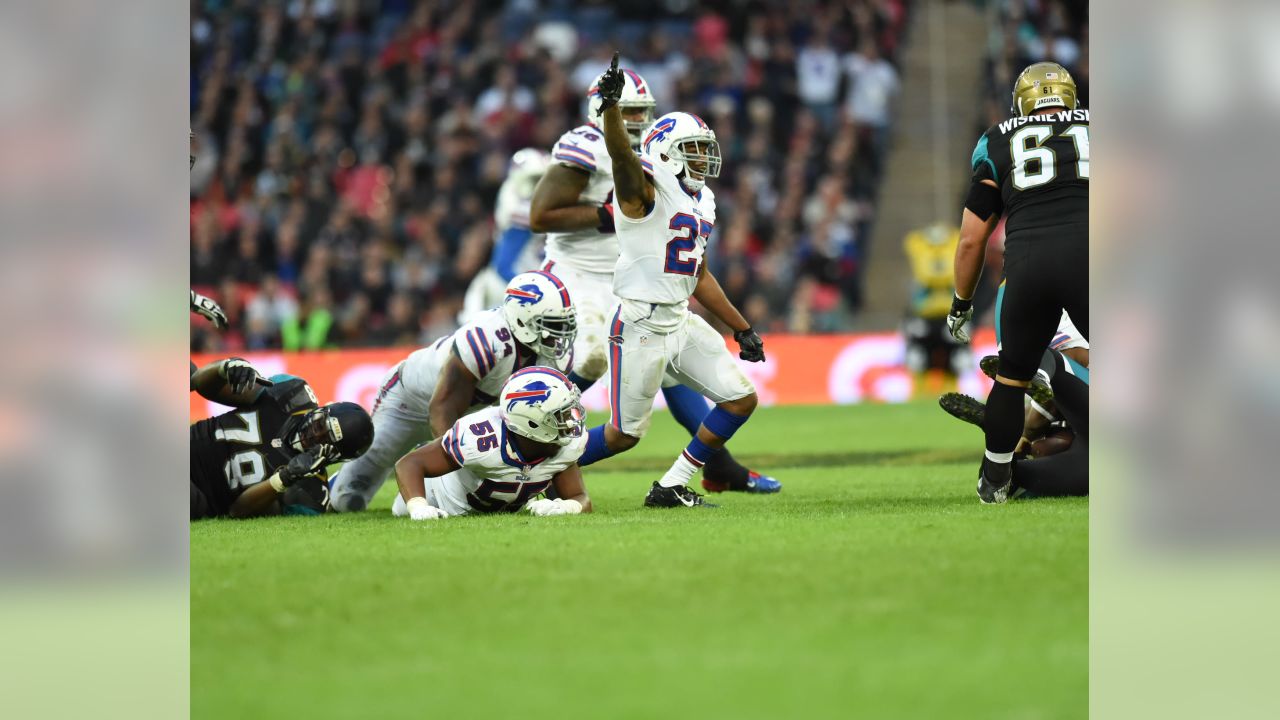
564,291
540,369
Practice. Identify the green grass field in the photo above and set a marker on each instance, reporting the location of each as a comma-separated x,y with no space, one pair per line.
874,586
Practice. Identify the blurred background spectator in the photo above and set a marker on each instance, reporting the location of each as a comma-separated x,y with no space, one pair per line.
350,151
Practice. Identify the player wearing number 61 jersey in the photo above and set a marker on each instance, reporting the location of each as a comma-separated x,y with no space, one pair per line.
1034,170
664,213
428,391
499,458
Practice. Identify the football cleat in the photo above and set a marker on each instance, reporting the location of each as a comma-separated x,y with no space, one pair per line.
678,496
994,482
963,407
756,483
1039,389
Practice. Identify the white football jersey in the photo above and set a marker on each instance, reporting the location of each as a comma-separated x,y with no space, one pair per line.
486,348
512,210
662,252
493,475
585,250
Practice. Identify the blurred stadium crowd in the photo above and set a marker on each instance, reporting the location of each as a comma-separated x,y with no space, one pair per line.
349,151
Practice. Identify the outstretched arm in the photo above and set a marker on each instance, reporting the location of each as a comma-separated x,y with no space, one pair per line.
632,189
413,469
572,493
709,293
231,382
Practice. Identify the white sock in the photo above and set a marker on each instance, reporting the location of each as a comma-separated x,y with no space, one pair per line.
681,472
1001,458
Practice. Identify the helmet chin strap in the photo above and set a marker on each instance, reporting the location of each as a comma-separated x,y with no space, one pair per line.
690,183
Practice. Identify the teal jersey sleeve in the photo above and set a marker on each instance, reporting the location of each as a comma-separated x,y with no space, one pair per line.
982,158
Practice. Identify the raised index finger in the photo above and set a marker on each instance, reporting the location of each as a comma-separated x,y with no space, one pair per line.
614,65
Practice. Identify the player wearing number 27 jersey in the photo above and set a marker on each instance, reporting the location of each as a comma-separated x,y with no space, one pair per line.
664,214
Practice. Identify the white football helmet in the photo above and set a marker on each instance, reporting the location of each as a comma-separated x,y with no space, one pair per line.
541,404
527,168
635,96
683,143
540,314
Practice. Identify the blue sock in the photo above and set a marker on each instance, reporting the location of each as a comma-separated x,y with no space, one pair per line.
687,406
724,423
596,450
580,381
699,451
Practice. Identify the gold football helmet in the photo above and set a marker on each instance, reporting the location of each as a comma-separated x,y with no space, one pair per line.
1041,85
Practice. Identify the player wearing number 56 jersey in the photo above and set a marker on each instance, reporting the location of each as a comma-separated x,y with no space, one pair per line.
1034,170
269,453
664,213
499,458
428,391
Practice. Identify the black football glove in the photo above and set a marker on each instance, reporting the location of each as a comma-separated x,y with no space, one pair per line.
209,309
303,465
611,86
750,344
240,375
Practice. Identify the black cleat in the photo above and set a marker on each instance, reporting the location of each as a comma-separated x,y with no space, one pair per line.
995,480
678,496
963,407
1039,389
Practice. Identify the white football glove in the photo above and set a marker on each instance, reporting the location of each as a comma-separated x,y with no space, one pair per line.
960,316
208,308
543,507
420,509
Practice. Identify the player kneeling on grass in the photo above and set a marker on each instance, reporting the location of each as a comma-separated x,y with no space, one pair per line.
498,459
664,214
269,454
425,394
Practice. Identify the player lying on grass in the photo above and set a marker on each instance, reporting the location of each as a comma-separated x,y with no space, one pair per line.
664,214
269,454
573,205
428,391
499,458
1057,461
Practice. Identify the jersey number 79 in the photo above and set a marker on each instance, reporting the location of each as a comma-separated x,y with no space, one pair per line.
683,253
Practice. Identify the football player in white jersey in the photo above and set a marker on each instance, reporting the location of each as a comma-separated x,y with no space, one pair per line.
664,214
423,395
572,205
515,246
499,458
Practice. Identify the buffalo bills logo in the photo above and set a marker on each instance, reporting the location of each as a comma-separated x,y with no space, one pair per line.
525,294
533,393
659,132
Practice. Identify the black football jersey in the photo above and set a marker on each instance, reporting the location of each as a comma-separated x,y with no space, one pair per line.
1041,163
231,451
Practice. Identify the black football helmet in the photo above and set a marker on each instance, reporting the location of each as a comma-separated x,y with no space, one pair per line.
341,431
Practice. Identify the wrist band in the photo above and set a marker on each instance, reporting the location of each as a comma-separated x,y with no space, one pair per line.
960,304
276,483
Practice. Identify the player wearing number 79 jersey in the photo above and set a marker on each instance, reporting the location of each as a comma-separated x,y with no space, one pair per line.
664,213
499,458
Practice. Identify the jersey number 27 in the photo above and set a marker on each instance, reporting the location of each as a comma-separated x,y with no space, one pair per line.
683,253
